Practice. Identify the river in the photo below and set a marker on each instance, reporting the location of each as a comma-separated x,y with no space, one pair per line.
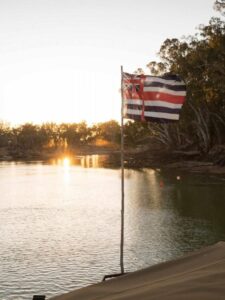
60,222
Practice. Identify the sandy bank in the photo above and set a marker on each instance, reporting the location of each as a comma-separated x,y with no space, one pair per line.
197,276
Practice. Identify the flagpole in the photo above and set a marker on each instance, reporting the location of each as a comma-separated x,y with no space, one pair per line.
122,188
122,179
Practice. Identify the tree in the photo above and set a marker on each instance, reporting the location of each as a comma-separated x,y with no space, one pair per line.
30,137
200,61
109,131
4,134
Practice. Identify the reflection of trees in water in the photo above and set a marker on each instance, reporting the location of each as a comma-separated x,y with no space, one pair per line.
165,218
98,161
150,221
89,161
143,188
204,202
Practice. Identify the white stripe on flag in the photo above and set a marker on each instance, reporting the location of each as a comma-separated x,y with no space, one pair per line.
164,90
134,112
153,103
133,101
161,115
165,81
162,104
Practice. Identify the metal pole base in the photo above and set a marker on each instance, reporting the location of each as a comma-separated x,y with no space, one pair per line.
112,276
39,297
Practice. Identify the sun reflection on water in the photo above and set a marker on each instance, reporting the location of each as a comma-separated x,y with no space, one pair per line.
66,162
64,165
84,161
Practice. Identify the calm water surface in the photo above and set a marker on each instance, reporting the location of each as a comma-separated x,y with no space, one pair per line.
60,223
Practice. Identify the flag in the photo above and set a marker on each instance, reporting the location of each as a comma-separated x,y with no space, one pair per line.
151,98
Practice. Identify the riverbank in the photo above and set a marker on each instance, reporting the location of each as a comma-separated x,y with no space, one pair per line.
198,275
144,156
189,161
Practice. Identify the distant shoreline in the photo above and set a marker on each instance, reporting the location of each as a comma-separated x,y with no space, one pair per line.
134,158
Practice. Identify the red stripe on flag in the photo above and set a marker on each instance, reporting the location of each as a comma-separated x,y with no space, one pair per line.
151,96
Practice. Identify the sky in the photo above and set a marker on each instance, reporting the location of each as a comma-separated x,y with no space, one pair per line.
60,59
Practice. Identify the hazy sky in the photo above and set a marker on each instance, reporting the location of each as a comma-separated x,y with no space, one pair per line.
60,59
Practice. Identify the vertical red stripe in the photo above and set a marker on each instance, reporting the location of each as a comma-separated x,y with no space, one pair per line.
143,101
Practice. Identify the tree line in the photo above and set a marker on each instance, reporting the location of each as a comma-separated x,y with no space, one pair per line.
55,136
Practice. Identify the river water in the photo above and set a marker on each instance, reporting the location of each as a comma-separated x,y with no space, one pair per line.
60,222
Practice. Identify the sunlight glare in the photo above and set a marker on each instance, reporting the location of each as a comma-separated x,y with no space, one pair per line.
66,162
